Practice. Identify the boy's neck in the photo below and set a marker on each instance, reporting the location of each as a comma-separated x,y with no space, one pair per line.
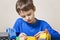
34,20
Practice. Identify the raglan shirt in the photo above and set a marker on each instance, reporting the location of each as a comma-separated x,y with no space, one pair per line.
31,29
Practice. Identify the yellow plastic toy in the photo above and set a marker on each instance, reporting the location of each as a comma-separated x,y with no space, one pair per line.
31,38
45,36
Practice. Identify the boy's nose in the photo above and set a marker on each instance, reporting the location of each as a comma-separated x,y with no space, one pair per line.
27,17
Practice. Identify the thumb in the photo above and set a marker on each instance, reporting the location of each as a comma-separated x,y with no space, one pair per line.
46,31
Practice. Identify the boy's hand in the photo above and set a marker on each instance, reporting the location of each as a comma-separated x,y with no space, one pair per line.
23,36
38,34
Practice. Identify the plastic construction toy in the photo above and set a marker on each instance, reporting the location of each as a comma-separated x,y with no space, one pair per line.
17,38
31,38
45,36
28,38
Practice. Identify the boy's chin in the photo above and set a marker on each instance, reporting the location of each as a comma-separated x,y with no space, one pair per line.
30,22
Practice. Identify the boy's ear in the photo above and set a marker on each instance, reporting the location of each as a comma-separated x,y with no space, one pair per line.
34,8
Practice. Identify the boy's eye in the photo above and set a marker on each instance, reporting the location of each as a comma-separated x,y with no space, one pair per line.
29,14
23,16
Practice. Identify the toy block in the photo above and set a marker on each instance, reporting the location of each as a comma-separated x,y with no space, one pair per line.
31,38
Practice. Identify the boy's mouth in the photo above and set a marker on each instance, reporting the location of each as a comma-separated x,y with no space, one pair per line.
29,21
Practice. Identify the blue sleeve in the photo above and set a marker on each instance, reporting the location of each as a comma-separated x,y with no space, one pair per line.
54,34
17,26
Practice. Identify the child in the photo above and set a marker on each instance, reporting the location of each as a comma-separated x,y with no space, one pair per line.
28,25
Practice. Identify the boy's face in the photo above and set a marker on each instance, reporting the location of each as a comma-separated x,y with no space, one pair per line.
28,16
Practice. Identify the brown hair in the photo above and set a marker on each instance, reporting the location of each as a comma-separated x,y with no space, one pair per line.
24,5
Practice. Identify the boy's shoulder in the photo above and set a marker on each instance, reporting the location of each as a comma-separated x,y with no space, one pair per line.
43,21
19,19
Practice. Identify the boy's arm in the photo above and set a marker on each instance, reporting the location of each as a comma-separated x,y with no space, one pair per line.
17,27
54,34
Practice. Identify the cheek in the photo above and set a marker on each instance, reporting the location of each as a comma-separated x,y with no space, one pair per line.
32,16
24,19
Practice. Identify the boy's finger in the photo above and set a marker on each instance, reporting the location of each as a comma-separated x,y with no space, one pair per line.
22,34
37,34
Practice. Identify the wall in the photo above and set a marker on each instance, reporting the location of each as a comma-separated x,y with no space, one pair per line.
48,10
